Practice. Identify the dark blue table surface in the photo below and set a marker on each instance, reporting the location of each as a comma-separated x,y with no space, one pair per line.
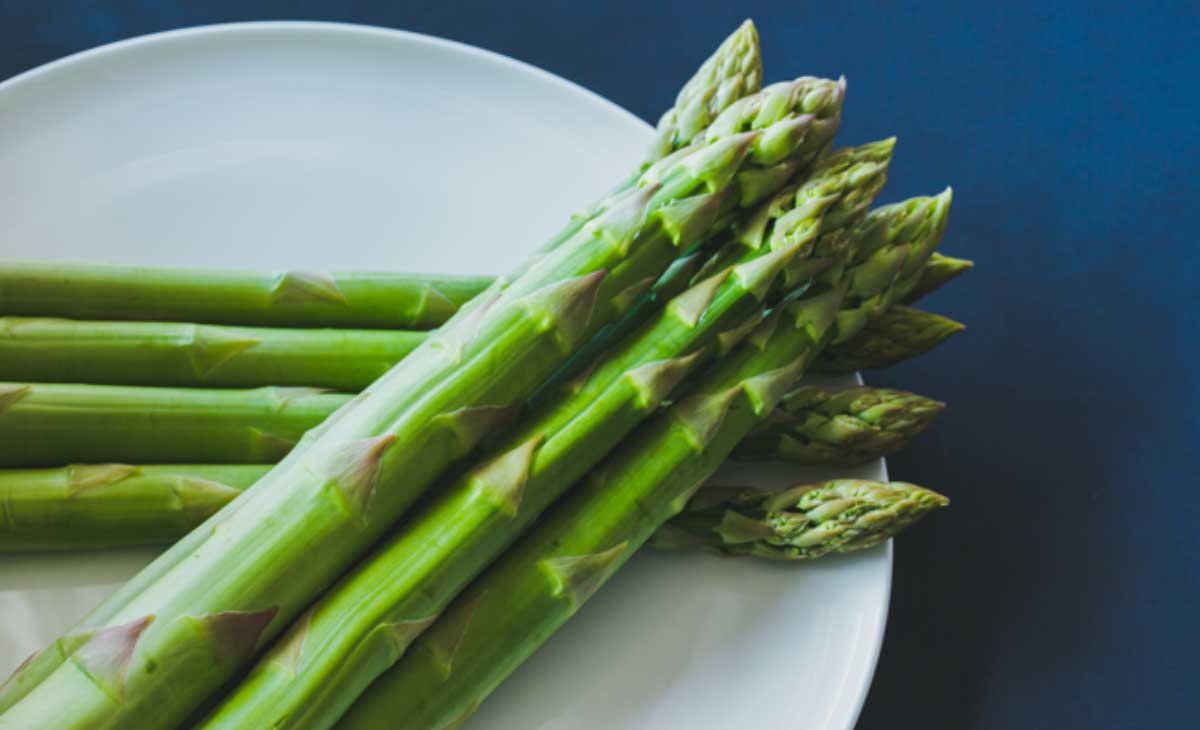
1062,588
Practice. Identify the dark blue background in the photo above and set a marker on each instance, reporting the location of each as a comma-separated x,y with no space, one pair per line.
1062,590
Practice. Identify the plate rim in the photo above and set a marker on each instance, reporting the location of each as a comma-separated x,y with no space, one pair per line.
167,37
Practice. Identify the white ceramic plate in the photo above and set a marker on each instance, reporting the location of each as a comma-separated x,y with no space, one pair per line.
342,147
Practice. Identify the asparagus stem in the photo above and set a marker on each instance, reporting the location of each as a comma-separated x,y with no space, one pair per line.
203,618
847,427
151,353
802,523
96,506
537,585
279,299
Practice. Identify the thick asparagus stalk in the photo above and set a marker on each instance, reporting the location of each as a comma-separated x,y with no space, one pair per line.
351,634
94,506
847,427
151,353
901,333
199,621
801,523
535,587
52,424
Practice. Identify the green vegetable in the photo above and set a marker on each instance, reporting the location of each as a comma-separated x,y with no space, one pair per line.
801,523
216,601
45,424
152,353
362,625
522,598
90,506
847,427
899,334
279,299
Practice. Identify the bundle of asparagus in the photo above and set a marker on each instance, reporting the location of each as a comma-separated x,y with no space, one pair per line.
663,330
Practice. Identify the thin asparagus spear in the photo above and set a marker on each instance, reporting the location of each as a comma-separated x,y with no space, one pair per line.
899,334
537,585
192,628
31,673
847,427
44,424
96,506
802,523
151,353
361,625
280,299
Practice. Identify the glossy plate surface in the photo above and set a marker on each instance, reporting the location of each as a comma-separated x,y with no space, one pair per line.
340,147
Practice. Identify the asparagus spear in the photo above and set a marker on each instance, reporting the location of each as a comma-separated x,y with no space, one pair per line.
151,353
113,505
330,499
900,333
362,625
847,427
520,600
51,424
281,299
801,523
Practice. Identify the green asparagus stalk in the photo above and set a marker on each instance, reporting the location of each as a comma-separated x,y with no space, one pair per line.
92,506
536,586
847,427
205,615
273,299
937,272
361,626
801,523
901,333
151,353
51,424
